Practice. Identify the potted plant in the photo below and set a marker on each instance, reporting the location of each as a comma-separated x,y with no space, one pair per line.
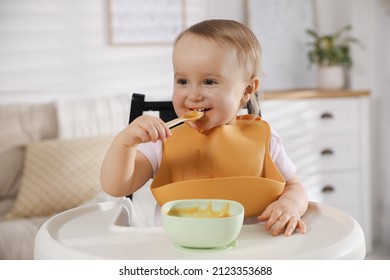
331,53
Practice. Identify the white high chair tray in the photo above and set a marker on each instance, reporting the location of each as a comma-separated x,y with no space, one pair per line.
95,232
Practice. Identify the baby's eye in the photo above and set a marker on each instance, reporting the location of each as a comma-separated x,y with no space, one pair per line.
182,82
209,82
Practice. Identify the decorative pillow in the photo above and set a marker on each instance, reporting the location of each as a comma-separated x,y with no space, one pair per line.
58,175
11,166
21,124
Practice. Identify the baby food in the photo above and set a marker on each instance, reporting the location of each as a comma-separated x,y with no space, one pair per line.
199,212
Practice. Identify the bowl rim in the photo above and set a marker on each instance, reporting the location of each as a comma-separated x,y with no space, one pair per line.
164,213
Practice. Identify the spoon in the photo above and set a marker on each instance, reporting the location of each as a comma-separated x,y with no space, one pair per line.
187,116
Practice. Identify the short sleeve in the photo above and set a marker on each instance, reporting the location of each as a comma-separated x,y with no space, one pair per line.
153,151
278,154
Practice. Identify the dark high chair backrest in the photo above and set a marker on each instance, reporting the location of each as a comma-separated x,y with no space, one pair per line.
139,105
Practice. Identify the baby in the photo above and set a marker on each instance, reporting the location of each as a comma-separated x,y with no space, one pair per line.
216,70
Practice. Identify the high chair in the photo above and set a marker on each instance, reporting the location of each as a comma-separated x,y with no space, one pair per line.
102,231
139,106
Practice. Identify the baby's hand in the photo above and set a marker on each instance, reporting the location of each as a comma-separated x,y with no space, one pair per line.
145,129
282,216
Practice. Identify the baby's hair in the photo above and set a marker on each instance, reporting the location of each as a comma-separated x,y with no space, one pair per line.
239,37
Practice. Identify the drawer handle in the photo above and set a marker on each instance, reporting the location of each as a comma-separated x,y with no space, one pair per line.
328,189
326,116
327,152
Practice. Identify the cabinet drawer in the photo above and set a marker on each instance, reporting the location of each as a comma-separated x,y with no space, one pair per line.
320,116
340,190
323,154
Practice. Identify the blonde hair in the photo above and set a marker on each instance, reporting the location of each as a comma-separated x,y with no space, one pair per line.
236,35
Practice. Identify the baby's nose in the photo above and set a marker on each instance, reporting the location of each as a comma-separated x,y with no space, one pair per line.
196,95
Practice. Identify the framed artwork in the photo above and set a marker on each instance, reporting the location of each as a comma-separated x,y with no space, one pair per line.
280,26
145,21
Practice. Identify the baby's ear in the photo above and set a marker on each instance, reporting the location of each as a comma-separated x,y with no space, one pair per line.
251,88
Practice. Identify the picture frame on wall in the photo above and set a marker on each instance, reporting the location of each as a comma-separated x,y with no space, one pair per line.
145,21
280,26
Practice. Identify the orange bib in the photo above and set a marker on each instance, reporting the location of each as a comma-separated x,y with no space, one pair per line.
227,162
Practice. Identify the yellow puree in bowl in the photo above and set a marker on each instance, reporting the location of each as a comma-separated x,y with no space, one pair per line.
197,212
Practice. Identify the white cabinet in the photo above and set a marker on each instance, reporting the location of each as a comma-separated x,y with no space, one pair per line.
329,141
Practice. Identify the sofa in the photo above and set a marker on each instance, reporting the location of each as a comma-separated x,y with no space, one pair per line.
50,158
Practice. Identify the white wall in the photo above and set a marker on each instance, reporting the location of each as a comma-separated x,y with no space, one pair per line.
60,48
54,48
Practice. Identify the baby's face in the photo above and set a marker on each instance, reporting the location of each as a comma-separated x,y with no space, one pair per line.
207,77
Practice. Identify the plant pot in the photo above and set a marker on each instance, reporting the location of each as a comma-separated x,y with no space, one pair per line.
331,77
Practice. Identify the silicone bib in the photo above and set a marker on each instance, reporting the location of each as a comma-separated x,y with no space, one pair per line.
227,162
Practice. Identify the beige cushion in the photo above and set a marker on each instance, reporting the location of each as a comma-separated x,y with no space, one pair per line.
11,165
59,175
5,206
21,124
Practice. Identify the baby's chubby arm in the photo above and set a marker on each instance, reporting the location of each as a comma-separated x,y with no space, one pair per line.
284,215
124,169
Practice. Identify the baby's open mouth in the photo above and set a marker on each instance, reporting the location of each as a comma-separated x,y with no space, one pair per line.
200,109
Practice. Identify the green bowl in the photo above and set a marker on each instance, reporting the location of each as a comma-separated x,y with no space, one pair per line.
201,232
